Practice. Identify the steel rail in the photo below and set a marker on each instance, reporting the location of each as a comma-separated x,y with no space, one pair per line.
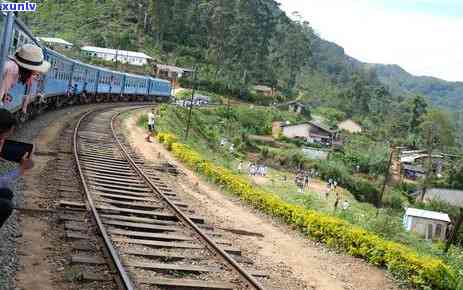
126,281
185,219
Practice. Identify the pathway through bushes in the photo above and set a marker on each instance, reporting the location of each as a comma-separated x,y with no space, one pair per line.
319,267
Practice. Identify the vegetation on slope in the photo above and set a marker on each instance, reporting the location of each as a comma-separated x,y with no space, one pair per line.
235,45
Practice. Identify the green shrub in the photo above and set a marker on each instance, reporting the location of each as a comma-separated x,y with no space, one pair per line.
395,199
362,189
423,272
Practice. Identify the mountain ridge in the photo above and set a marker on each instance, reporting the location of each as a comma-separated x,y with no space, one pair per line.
448,94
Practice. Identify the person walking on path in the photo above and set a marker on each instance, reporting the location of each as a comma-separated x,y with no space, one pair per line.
25,66
151,125
7,124
306,180
336,202
240,166
345,205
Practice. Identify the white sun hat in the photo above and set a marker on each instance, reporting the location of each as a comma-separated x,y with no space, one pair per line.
30,57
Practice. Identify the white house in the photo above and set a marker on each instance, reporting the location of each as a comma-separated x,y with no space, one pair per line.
350,126
55,42
123,56
431,225
311,131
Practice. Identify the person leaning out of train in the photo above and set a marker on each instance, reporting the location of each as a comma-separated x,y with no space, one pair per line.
26,65
7,125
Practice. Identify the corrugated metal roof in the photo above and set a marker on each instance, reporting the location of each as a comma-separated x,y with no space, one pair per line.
54,40
411,158
322,126
116,51
173,68
451,196
434,215
350,126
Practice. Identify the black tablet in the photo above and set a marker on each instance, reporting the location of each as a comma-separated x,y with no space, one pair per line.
15,150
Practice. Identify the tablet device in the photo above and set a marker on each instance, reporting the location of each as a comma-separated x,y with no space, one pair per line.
15,150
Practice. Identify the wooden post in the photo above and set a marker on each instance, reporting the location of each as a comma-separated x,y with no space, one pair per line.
191,104
386,178
454,233
429,167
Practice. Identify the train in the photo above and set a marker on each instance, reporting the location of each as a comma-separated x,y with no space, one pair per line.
70,81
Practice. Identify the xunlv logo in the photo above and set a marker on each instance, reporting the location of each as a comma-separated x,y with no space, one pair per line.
25,6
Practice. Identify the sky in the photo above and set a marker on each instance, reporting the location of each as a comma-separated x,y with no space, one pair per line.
425,37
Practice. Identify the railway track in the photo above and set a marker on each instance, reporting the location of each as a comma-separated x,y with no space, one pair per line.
154,240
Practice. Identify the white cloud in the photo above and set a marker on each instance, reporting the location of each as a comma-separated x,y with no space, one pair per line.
423,44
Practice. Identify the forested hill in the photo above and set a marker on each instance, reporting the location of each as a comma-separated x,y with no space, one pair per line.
236,44
441,92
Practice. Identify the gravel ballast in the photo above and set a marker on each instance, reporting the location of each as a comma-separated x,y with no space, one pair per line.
11,231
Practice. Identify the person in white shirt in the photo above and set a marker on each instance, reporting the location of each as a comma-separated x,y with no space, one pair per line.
345,205
151,123
240,166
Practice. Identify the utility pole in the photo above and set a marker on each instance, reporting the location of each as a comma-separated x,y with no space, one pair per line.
429,165
228,113
191,103
455,230
386,178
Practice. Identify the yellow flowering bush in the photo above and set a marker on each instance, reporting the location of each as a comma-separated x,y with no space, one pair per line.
423,272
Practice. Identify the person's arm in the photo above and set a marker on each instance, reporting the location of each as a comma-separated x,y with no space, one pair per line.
9,177
10,77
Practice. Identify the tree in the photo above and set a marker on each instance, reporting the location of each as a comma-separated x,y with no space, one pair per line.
418,110
437,132
455,179
437,124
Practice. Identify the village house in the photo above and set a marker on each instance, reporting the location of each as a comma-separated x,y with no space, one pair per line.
430,225
350,126
414,164
295,107
413,172
54,42
310,131
172,73
264,90
123,56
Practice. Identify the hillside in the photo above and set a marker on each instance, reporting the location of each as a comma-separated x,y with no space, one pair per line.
236,45
441,92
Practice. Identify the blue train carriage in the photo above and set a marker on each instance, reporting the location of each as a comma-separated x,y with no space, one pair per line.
89,86
58,85
133,87
79,87
160,90
117,82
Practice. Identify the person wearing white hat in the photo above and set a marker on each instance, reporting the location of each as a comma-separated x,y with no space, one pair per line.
25,66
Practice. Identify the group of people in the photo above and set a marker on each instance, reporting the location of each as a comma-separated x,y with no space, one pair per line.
332,185
226,144
25,66
303,177
257,169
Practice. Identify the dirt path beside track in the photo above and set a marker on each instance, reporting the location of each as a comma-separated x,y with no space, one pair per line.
319,267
